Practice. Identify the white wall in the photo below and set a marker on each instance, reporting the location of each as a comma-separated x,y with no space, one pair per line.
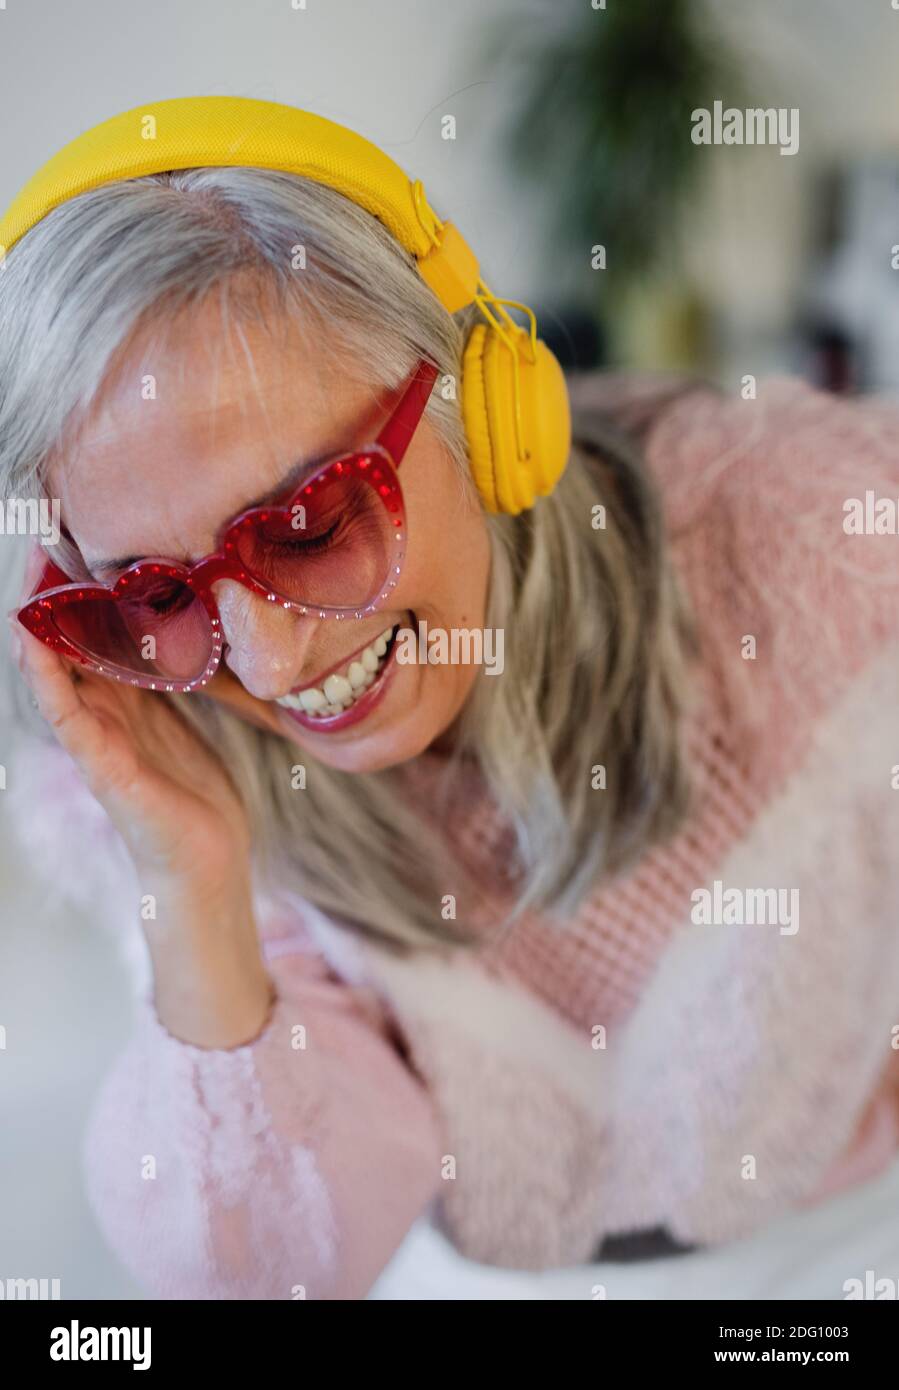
387,68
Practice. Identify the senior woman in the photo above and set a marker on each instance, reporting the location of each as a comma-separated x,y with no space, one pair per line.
600,940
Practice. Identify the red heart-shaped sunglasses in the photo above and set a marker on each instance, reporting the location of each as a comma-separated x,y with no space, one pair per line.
332,548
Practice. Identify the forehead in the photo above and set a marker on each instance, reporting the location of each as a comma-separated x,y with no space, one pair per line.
193,425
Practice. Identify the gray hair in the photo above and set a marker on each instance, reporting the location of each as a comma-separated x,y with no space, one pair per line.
598,642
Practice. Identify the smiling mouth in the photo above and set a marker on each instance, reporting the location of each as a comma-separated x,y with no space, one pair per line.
345,685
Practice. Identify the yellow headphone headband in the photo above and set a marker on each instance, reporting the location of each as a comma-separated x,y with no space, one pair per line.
514,391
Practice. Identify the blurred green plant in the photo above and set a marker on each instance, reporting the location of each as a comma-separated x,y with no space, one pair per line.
603,120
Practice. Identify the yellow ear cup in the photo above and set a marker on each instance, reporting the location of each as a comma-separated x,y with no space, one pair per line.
509,480
518,439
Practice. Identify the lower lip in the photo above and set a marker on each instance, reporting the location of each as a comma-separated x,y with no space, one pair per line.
359,709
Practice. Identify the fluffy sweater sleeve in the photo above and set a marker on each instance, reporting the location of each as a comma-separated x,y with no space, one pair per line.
289,1167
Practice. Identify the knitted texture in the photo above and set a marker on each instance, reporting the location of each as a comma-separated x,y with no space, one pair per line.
745,1069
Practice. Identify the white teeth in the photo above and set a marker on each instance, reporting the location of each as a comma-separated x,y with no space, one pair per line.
340,691
337,689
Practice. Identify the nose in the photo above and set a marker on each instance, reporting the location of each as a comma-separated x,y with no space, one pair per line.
266,642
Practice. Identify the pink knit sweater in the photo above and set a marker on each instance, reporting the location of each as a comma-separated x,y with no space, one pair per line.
745,1068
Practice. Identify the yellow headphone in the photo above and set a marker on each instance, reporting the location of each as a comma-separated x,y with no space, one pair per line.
514,398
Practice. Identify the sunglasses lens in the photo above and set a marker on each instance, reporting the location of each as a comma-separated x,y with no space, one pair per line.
156,629
336,545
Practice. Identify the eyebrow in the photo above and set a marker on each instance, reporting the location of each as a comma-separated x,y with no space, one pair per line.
283,489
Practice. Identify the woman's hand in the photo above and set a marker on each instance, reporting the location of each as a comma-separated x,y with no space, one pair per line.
185,828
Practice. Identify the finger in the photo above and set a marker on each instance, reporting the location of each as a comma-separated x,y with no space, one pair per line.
49,678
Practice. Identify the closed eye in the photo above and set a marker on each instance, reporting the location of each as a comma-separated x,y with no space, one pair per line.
302,545
162,601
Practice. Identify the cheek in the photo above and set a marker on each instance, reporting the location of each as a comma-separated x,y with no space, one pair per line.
447,567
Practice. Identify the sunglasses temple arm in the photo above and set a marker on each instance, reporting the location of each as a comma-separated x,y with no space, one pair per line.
401,426
52,577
